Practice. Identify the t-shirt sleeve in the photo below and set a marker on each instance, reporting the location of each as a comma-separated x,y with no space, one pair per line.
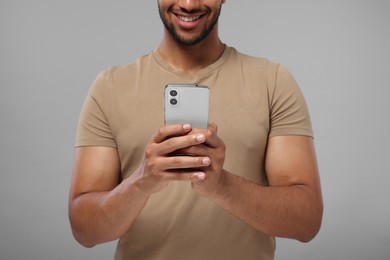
289,112
93,127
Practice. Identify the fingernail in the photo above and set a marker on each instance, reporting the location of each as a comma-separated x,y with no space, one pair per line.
200,138
187,127
206,161
200,175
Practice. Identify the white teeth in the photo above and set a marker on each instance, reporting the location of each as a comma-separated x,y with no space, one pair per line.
189,19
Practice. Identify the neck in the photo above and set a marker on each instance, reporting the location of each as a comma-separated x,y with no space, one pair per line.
190,59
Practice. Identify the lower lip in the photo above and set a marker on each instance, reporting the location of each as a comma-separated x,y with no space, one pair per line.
188,25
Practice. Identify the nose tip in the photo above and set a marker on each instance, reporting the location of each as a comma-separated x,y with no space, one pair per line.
189,5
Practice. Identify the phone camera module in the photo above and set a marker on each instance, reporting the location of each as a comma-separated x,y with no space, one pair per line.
173,101
173,93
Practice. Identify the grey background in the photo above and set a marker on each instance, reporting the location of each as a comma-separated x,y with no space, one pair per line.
51,51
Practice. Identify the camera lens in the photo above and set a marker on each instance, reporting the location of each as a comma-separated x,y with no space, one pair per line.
173,93
173,101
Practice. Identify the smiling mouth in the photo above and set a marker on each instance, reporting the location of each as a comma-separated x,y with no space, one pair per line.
189,19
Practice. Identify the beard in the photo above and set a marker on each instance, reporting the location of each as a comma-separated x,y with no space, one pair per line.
185,40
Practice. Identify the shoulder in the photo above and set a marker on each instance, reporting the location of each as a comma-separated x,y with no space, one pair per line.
252,61
255,69
120,76
128,70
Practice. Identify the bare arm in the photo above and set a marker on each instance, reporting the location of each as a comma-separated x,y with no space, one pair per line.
290,207
100,208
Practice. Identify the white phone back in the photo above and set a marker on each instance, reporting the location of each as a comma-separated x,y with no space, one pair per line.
191,105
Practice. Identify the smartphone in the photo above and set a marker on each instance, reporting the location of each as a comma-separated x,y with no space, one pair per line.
186,104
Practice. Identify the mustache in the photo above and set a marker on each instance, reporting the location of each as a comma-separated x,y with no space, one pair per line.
185,11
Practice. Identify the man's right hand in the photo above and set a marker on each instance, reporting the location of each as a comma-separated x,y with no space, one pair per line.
102,210
161,165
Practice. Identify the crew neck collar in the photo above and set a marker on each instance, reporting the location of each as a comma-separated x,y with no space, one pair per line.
201,73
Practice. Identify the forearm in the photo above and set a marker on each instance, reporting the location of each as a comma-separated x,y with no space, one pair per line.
286,211
98,217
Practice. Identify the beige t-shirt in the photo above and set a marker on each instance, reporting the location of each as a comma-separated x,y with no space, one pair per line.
251,99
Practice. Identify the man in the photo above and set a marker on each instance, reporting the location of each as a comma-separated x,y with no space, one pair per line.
254,174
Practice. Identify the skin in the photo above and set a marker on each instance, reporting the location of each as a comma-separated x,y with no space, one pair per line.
101,208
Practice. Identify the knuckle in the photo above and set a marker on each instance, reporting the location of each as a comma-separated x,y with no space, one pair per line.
178,128
161,131
191,140
209,133
176,162
151,165
149,151
212,129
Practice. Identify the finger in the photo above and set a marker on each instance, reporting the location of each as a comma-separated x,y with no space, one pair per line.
195,150
193,176
184,162
198,177
210,132
213,127
176,143
212,138
170,130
